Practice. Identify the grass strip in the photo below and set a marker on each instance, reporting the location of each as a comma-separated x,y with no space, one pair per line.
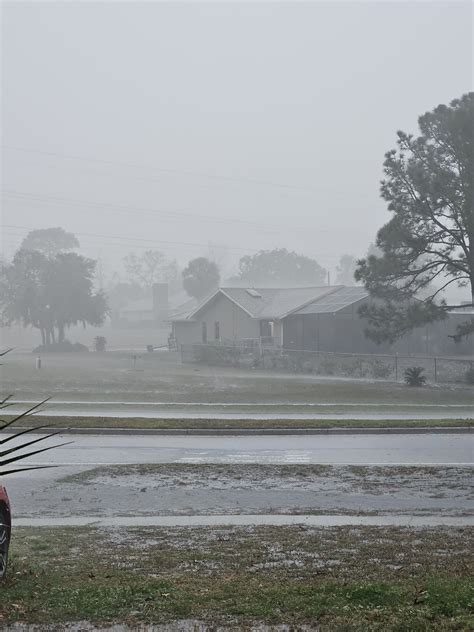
364,578
235,424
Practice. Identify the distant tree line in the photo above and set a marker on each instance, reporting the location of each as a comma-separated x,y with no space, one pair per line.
424,248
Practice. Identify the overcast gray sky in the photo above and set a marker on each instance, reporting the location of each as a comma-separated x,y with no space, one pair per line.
244,125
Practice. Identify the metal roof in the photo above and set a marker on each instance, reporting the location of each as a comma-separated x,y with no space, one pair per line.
335,301
272,303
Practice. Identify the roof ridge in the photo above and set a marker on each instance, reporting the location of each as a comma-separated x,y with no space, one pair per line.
303,287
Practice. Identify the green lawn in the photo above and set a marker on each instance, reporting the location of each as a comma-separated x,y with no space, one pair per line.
110,376
340,578
190,424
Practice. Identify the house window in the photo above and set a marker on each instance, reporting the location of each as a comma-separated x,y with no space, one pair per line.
217,330
204,332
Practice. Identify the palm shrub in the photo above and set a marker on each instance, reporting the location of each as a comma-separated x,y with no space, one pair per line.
100,343
414,376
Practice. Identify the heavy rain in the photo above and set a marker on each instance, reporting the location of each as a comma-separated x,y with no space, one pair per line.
237,316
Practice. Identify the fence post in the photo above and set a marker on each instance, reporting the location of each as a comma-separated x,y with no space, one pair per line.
435,369
396,368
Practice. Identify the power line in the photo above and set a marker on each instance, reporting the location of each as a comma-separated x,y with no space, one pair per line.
141,239
90,245
121,239
160,179
161,169
124,208
153,212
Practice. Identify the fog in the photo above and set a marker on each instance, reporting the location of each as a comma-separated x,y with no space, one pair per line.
216,129
227,404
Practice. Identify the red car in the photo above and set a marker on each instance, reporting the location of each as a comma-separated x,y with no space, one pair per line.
5,529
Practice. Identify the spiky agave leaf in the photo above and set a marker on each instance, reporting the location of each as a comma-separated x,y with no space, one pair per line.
27,413
4,403
6,457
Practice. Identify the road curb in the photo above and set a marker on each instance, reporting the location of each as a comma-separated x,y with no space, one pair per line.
246,520
260,431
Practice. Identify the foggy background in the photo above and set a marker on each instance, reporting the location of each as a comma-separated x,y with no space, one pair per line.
216,129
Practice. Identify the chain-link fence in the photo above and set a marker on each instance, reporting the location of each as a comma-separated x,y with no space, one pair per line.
373,366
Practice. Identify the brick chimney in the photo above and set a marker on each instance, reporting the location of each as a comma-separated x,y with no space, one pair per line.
161,306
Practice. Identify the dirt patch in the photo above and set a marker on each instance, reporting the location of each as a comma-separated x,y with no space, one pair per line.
205,489
435,481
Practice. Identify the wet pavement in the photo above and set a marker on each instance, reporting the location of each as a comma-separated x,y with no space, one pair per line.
133,479
343,449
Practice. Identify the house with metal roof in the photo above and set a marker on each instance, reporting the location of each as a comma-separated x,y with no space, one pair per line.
298,318
306,319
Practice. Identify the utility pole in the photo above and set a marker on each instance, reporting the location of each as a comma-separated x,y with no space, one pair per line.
100,272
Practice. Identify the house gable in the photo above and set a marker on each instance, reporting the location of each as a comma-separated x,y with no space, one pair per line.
208,301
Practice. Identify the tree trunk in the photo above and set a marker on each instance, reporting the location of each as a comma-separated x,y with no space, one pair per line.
61,333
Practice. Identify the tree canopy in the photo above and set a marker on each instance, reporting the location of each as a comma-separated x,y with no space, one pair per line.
200,277
50,241
280,267
427,244
150,267
50,293
345,270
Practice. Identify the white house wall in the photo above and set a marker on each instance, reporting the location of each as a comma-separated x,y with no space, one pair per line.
234,323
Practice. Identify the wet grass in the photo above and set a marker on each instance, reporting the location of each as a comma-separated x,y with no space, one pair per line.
363,578
139,423
161,377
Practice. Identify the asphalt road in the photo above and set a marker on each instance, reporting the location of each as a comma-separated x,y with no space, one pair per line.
139,496
386,449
